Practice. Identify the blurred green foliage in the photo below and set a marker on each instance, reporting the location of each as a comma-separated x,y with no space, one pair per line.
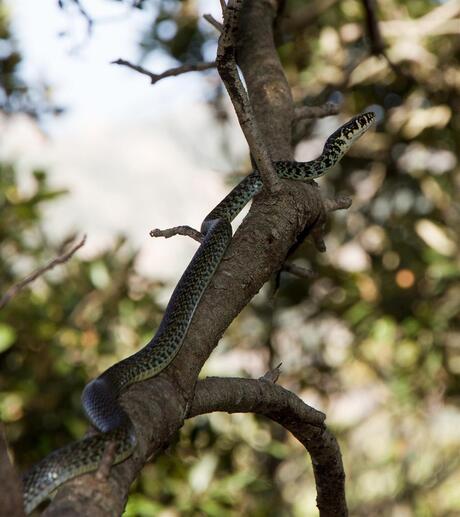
72,322
373,341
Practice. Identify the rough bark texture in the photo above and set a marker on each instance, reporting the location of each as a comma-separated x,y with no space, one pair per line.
268,89
228,71
158,406
282,406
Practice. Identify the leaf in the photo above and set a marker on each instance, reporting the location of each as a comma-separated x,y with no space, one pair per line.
7,337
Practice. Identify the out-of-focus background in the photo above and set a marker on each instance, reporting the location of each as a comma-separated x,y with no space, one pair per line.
373,340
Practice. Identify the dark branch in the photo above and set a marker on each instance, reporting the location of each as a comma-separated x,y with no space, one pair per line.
373,30
188,231
258,249
15,289
377,44
305,423
210,19
172,72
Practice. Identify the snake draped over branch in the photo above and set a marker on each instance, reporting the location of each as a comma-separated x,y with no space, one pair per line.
100,396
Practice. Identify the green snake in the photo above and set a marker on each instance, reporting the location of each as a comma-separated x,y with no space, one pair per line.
100,396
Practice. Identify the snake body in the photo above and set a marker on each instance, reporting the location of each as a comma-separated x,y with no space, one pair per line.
100,396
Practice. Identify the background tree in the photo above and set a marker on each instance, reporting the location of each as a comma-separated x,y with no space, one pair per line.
372,340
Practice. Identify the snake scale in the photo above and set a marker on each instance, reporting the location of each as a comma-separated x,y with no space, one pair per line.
100,396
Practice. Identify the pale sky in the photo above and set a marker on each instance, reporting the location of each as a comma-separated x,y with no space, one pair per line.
134,156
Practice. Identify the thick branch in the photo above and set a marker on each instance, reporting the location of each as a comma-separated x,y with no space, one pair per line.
16,288
282,406
372,25
154,78
157,406
228,71
269,91
259,248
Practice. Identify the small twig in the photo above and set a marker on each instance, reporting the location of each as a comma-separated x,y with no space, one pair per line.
210,19
188,231
16,288
228,71
299,271
311,112
338,203
272,375
154,78
106,463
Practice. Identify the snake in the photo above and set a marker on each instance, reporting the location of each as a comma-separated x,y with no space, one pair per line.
100,396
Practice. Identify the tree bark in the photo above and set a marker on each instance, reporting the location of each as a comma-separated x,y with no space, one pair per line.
158,406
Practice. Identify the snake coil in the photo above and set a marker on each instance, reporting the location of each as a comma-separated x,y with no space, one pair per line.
100,396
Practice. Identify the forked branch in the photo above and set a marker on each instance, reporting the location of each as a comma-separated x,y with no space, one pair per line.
172,72
228,71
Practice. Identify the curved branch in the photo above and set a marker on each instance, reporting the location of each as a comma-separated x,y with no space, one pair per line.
234,395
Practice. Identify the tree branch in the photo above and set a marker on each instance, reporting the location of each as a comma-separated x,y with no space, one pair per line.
228,71
186,230
282,406
172,72
157,406
373,30
269,92
16,288
259,248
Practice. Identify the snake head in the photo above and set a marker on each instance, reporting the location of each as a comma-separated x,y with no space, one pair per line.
355,127
344,137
